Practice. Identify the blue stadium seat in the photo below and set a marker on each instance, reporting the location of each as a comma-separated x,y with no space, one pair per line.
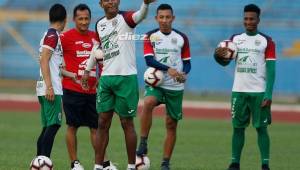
205,22
2,2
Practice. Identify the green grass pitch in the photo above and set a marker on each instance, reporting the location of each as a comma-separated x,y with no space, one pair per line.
201,145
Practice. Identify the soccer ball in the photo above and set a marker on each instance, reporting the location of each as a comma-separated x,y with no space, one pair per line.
97,54
142,163
232,49
41,163
153,76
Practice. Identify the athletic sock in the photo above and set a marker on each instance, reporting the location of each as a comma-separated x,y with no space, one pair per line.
39,142
165,162
48,139
238,140
142,146
263,141
144,140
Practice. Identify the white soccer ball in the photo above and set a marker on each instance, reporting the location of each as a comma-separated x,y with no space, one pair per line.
153,76
41,163
232,49
97,54
142,163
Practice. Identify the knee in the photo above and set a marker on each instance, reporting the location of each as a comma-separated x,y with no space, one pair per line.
150,103
103,124
127,124
54,127
239,131
261,130
171,124
72,129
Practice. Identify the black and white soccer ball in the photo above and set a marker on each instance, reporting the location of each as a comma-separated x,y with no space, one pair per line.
153,77
142,162
97,54
41,163
231,49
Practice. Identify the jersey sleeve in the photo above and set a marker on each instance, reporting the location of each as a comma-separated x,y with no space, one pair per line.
148,48
270,53
128,17
50,40
185,51
96,32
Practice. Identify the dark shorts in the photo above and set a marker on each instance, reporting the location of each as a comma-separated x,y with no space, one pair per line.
80,109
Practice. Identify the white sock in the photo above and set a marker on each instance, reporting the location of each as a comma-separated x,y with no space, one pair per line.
98,166
129,166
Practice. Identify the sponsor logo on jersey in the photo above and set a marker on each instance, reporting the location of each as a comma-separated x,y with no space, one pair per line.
86,45
85,53
78,42
240,41
130,111
158,42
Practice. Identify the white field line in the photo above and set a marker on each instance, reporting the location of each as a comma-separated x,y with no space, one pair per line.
187,104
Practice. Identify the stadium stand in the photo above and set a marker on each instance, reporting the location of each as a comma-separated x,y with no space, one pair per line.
205,22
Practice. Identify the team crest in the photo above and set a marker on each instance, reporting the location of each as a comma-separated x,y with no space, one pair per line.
257,42
114,22
174,40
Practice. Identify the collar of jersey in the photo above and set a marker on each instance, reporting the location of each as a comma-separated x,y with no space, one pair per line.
251,33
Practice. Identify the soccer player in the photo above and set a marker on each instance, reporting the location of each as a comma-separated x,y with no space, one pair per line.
168,50
49,87
79,104
252,87
118,87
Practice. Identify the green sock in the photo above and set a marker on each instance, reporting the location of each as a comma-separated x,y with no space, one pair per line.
263,141
238,140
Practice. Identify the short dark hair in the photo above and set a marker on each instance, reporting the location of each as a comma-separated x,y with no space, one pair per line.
57,13
164,7
252,8
81,7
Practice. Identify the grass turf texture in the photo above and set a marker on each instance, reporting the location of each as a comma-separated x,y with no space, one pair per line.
201,145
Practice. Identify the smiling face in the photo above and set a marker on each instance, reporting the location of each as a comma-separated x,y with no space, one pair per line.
111,7
164,19
251,21
82,20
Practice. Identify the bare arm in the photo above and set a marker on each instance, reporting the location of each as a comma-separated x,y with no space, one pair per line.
141,14
67,73
91,62
45,69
